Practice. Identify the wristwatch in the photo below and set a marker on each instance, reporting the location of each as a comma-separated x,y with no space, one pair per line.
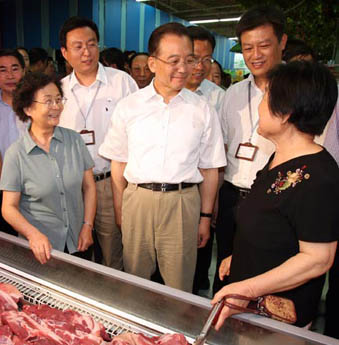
207,215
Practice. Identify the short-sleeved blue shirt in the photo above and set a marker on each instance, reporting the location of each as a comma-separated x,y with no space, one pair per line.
50,184
8,130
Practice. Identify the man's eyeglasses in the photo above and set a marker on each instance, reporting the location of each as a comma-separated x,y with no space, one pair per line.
79,48
205,61
49,103
176,61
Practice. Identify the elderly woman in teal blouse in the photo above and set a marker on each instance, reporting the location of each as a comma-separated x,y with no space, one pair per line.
49,193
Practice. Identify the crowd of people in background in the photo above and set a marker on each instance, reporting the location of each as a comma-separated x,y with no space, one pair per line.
134,63
138,160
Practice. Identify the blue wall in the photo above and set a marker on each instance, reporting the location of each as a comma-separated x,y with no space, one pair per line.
125,24
58,10
8,24
112,23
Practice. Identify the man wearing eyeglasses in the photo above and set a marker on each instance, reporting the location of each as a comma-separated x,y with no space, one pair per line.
203,47
165,141
92,92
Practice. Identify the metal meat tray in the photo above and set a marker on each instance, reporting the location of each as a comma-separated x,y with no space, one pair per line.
123,302
37,294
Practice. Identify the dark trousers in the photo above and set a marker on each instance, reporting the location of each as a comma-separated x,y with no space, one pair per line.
229,198
332,301
204,258
87,254
4,226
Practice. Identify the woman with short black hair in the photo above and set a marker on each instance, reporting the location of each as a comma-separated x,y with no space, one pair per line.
49,194
288,226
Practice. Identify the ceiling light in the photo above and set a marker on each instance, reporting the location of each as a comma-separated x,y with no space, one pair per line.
204,21
214,20
230,19
233,38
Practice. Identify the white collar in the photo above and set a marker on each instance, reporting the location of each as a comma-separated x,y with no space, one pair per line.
101,76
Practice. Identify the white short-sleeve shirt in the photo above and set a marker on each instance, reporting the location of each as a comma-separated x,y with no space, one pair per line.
236,126
110,86
213,94
164,143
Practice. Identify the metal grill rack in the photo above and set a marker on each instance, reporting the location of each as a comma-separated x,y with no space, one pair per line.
36,294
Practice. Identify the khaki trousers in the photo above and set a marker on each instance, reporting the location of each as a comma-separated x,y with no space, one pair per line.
161,226
109,235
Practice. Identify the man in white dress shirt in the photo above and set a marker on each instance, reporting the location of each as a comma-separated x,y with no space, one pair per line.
163,142
261,34
92,92
203,47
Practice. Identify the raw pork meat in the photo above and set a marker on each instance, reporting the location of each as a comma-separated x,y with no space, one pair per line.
43,325
5,335
140,339
12,291
69,325
26,328
9,297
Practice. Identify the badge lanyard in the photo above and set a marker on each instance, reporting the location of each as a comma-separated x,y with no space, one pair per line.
90,106
253,127
248,151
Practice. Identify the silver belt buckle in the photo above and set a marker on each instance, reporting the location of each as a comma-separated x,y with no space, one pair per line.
163,187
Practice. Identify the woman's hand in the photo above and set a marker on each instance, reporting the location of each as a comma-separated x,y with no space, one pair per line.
224,268
40,246
240,288
85,238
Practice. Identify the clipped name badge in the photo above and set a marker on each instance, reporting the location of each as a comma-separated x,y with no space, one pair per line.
88,137
246,151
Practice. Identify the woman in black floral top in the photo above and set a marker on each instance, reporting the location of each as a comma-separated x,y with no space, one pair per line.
288,227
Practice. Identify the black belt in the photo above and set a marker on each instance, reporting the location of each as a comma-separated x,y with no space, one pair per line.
102,176
165,187
243,192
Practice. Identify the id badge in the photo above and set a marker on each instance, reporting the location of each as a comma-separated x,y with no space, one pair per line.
88,137
246,151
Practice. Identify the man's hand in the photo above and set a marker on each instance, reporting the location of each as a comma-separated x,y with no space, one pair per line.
204,231
208,191
119,184
85,238
224,269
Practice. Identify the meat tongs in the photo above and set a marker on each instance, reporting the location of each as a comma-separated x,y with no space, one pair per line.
211,321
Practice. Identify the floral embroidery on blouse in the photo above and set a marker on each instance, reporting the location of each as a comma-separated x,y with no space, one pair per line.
290,180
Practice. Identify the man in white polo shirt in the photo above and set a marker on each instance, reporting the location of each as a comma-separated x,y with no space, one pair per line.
92,92
164,141
203,47
261,34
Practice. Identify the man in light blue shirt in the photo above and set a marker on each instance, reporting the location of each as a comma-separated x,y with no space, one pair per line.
12,67
8,129
11,71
